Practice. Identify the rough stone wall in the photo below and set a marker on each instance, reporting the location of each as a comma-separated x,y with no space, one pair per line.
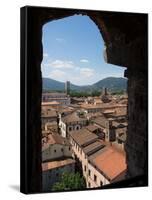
136,144
137,136
128,48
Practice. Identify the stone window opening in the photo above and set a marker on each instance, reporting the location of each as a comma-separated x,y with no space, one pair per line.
77,127
118,53
95,178
70,128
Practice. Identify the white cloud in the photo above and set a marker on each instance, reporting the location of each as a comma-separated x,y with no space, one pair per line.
82,76
60,64
86,72
84,60
57,74
63,70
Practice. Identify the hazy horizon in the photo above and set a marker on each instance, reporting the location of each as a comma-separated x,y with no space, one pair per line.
85,84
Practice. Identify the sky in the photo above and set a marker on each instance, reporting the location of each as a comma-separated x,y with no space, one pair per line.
73,51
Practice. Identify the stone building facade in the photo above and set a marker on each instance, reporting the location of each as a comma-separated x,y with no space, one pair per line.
70,123
55,147
100,163
56,159
61,98
52,172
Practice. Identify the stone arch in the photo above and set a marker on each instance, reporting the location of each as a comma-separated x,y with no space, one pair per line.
77,127
125,36
70,128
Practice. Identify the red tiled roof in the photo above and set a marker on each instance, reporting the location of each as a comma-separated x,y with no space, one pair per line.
104,105
92,128
72,118
49,113
111,162
55,139
55,164
83,136
93,147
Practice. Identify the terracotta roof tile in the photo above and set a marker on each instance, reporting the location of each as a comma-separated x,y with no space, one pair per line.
104,105
54,139
83,136
92,128
93,147
111,162
49,113
72,118
55,164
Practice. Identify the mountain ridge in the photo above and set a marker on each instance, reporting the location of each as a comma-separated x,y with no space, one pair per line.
112,83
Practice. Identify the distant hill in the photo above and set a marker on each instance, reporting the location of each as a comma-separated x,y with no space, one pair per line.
112,83
50,84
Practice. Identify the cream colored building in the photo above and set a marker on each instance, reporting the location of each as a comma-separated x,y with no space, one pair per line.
50,105
55,147
71,122
101,164
48,115
61,98
93,108
56,159
111,125
106,166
